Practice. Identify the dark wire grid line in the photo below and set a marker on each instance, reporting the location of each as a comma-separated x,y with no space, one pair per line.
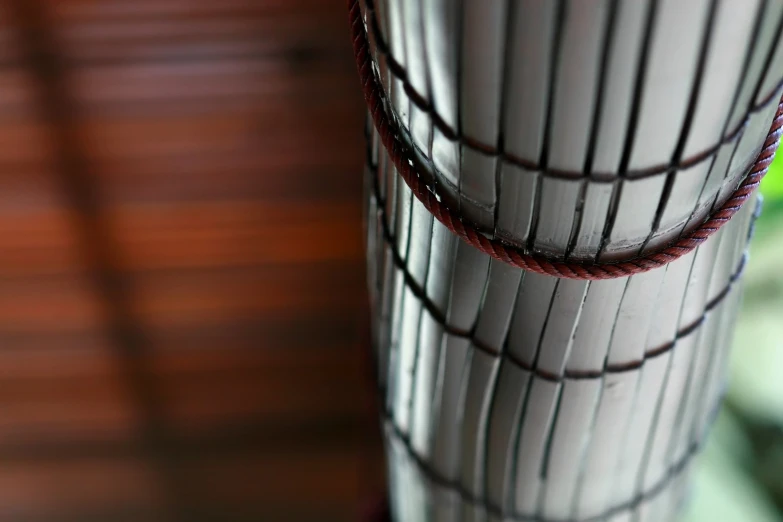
736,97
440,318
672,473
511,8
690,112
632,126
404,162
398,70
479,495
543,159
598,104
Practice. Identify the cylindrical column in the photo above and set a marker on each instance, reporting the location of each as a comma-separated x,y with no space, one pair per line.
584,130
523,393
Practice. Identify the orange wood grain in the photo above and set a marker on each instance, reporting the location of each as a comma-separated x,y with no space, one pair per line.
224,144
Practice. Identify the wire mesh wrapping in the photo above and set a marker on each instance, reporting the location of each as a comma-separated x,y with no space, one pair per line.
583,130
656,155
528,395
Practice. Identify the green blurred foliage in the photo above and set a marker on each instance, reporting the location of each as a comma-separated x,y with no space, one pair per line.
739,477
772,184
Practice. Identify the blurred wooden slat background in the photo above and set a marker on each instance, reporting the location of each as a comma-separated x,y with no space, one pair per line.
220,144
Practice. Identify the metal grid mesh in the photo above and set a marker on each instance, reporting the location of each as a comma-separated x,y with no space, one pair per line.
583,131
537,398
671,167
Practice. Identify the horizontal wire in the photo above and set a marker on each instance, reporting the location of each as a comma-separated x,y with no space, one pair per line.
672,473
440,318
407,168
398,70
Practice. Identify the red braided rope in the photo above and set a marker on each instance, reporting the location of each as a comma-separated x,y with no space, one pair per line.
515,256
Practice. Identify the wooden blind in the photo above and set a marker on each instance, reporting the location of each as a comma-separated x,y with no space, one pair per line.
181,266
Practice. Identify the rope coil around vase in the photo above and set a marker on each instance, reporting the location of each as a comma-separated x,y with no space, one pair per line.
404,164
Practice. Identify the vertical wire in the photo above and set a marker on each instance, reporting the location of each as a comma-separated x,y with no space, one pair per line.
428,84
484,413
701,65
547,453
653,428
404,6
547,450
543,161
460,9
502,360
608,42
731,160
735,99
754,96
544,462
509,499
767,63
633,121
517,436
670,447
511,7
580,469
463,385
623,439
